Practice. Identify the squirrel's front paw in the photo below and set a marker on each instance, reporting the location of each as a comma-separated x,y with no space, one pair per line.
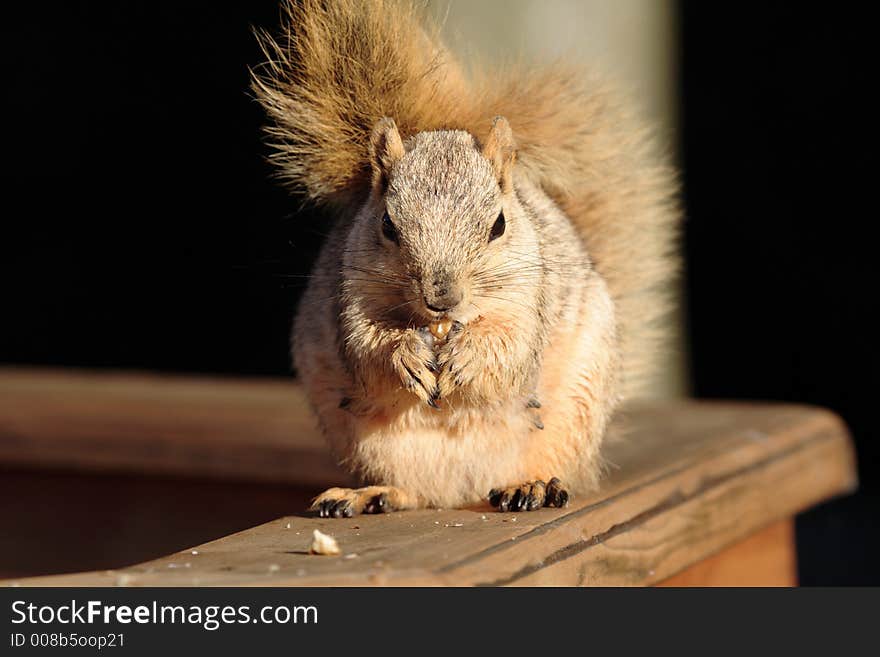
348,502
456,360
413,362
530,496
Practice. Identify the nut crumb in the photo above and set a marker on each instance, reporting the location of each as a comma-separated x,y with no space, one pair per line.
323,544
274,567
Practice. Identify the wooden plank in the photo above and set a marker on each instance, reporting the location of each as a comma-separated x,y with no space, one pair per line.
689,480
767,558
256,430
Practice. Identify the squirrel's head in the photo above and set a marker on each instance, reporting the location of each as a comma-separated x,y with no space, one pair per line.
443,233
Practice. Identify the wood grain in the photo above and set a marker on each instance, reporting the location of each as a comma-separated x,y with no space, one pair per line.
688,479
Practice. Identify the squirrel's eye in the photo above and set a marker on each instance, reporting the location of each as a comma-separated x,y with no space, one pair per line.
388,229
497,228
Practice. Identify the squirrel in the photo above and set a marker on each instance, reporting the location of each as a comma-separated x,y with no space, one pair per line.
490,290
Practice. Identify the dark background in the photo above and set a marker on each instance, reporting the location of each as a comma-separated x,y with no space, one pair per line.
780,248
141,227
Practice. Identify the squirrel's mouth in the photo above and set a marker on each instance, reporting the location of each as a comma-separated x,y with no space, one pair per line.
440,311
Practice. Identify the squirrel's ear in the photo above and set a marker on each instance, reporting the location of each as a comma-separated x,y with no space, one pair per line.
500,150
386,147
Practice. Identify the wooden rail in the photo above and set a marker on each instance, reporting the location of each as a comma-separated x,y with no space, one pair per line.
689,480
254,430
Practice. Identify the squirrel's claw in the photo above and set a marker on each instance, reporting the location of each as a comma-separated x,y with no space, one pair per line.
532,406
556,495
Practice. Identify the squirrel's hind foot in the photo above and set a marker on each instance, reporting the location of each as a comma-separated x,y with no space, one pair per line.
348,502
530,496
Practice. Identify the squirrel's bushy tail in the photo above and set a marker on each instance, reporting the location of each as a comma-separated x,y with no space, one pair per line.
336,69
341,65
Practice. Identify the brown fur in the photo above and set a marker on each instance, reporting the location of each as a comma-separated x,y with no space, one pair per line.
563,306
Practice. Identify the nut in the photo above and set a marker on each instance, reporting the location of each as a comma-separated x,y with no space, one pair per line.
440,329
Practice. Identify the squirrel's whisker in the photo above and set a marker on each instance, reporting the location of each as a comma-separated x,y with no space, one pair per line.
503,298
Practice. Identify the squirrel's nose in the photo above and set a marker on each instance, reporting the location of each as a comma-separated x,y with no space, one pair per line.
441,298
